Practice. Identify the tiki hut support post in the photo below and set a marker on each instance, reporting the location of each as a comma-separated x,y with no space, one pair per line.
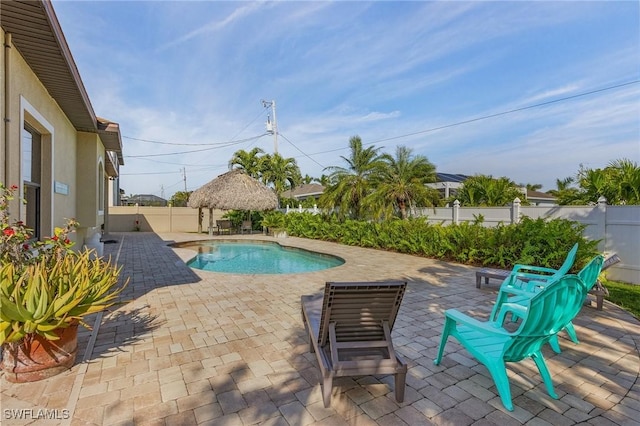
199,220
210,221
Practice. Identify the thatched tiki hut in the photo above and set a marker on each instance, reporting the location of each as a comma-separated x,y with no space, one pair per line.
234,190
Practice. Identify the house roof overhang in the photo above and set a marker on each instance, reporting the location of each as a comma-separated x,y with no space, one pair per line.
110,134
37,35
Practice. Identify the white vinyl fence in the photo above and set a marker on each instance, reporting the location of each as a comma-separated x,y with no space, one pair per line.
617,227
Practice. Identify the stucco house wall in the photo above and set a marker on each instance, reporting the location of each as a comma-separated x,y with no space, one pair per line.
74,164
31,103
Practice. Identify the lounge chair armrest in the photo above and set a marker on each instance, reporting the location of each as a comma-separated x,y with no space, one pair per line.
522,269
488,327
531,285
518,291
512,308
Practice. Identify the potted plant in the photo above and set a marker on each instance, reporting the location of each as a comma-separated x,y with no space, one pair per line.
274,222
46,289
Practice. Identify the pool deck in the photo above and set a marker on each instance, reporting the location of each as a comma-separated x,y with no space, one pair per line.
198,347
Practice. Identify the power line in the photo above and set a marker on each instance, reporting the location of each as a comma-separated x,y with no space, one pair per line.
303,153
251,122
148,173
197,150
200,144
174,143
485,117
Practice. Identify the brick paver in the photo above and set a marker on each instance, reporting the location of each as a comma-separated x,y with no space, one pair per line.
196,347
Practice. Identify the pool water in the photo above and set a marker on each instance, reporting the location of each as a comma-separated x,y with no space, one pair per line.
257,257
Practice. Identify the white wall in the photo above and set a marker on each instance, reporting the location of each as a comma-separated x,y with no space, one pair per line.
617,227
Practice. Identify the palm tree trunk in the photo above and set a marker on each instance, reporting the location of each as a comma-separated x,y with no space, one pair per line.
403,209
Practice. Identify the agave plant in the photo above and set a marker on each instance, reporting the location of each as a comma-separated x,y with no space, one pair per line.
45,296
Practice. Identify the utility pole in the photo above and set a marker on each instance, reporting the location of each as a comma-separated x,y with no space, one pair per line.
272,128
184,178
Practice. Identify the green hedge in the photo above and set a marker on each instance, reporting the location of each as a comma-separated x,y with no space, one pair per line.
532,241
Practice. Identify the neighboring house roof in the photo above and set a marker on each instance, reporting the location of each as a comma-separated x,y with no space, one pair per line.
304,191
450,177
37,35
537,195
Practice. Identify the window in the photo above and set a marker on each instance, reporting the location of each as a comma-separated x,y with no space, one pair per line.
100,188
31,177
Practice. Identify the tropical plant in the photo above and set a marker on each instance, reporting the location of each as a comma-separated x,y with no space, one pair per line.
250,162
45,285
626,178
279,172
273,220
532,241
180,198
531,186
400,184
348,186
484,190
15,238
322,180
44,296
565,192
618,183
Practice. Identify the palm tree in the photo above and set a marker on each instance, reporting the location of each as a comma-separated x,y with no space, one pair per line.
322,180
250,162
595,183
561,185
618,183
531,186
348,186
400,183
626,178
565,193
282,173
483,190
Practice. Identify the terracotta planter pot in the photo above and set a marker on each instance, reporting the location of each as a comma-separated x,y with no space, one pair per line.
39,358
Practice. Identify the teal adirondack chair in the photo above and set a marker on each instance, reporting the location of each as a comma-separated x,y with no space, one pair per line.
546,313
524,277
589,275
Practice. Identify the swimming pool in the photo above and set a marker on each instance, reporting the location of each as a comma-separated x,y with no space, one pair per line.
257,257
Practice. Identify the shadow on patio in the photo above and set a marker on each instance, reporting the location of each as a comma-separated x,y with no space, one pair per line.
209,348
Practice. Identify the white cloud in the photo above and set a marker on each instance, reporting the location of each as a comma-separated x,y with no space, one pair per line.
394,73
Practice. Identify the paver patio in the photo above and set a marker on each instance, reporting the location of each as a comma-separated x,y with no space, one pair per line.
197,347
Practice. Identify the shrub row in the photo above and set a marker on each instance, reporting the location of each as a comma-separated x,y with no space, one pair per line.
532,241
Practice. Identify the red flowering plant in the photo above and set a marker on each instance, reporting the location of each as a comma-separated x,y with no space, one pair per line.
45,285
17,245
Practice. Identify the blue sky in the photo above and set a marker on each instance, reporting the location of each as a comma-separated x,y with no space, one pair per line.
193,74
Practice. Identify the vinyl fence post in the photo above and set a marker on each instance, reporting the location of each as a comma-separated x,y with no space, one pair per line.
456,212
515,211
602,223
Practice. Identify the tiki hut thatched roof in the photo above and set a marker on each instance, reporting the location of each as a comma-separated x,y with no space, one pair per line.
234,190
